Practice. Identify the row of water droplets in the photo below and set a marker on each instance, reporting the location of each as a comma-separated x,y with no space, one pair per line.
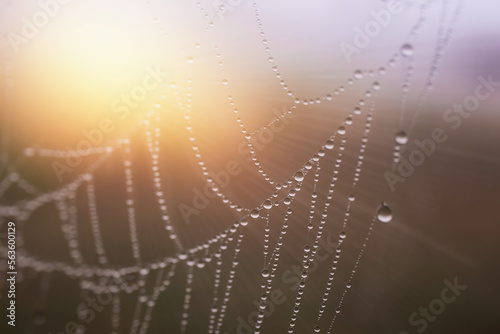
383,214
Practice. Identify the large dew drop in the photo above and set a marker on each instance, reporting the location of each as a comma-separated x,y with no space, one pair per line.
384,213
406,50
254,213
358,74
329,144
299,176
400,137
341,130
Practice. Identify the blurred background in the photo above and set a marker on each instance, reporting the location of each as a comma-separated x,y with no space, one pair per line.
118,73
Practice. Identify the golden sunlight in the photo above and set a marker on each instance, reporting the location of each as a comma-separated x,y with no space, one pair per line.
89,63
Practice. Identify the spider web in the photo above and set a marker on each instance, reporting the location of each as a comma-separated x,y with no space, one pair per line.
193,287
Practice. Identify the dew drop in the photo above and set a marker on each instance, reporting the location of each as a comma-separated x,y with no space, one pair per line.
299,176
400,137
341,130
406,50
358,74
329,144
254,213
384,213
268,204
265,273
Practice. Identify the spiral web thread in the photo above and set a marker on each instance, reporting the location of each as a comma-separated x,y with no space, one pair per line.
150,280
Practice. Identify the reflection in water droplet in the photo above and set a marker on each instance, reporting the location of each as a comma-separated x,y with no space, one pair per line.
384,213
358,74
329,144
406,50
299,176
341,130
400,137
254,213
